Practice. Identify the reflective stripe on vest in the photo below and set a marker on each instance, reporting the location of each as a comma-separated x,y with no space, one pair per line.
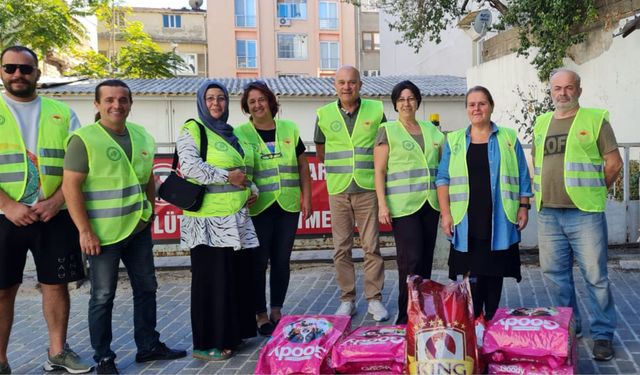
459,175
583,165
115,187
53,130
349,157
222,199
411,172
277,178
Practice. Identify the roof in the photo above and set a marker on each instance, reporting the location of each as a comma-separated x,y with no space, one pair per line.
434,86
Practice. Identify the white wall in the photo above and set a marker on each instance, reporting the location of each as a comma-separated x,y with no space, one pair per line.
163,116
453,56
610,79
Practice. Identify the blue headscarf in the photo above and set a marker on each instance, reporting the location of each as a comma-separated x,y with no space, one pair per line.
218,126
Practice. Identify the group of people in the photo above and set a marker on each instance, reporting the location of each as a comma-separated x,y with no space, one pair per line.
67,190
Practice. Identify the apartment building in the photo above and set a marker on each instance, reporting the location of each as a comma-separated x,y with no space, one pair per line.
182,31
369,38
280,38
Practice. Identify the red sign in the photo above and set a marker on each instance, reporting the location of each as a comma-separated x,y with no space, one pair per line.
166,228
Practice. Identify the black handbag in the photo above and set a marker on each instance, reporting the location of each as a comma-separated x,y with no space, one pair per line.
180,192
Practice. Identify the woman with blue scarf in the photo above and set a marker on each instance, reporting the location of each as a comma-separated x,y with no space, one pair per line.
220,234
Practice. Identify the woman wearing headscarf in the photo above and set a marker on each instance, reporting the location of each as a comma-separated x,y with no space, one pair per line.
220,234
281,172
484,189
405,157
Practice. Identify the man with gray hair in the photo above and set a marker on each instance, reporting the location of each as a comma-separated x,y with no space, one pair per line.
576,159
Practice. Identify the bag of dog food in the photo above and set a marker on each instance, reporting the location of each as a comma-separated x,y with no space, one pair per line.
441,333
301,344
521,368
538,336
379,349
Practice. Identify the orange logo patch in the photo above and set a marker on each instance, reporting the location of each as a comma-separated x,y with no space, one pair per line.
583,133
367,123
56,118
287,141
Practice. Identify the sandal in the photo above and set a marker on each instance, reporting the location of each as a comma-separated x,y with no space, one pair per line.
213,354
266,329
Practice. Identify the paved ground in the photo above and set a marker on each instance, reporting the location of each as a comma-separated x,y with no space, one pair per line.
313,290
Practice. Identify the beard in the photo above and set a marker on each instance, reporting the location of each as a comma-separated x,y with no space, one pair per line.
26,92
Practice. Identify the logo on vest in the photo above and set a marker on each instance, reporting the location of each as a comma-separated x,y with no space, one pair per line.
287,141
2,120
584,136
221,146
367,123
456,148
113,154
57,119
408,145
335,126
145,154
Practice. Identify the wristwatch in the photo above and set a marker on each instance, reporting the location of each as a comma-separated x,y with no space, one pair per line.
526,205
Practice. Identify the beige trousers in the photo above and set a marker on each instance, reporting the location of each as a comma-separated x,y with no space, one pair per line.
347,210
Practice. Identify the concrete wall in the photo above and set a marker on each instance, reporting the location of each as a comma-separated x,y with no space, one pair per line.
609,70
452,56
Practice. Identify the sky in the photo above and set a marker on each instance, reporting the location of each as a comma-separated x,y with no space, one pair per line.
176,4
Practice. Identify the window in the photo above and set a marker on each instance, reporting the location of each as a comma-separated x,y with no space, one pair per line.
370,41
329,59
172,21
292,46
292,75
246,56
119,19
245,13
191,64
328,15
292,9
371,73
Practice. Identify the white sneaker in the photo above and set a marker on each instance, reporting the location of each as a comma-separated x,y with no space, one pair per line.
347,308
378,311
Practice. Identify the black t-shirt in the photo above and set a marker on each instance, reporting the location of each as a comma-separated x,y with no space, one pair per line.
269,138
480,202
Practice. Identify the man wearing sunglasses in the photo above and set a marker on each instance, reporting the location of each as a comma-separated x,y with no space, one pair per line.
32,217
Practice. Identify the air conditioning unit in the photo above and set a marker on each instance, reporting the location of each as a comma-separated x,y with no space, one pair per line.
284,21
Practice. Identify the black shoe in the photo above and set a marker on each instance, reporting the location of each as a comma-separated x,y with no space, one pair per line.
106,366
266,329
5,368
602,350
159,353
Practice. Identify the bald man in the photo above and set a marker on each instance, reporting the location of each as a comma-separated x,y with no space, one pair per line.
344,137
576,160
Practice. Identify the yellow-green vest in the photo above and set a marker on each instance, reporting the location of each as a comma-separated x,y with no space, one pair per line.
411,172
222,199
459,174
53,130
276,175
115,188
583,165
349,157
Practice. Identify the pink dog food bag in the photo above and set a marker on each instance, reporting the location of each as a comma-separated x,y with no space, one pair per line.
538,336
301,344
529,369
379,349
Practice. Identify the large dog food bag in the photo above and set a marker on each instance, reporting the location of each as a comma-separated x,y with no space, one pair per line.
441,337
301,344
379,349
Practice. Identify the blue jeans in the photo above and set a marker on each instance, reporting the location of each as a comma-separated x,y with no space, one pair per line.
568,233
137,256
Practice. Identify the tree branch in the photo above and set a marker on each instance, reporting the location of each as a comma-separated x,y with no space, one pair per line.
498,5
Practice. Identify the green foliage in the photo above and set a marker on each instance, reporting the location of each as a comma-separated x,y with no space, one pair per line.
93,65
617,190
530,108
43,25
550,26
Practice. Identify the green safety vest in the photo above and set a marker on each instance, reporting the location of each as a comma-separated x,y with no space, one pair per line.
583,165
222,199
411,172
347,157
53,130
459,174
115,188
276,175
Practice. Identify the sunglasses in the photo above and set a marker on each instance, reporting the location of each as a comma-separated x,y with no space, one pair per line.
24,68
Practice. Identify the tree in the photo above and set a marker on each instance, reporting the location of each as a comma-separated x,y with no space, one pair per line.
550,25
44,25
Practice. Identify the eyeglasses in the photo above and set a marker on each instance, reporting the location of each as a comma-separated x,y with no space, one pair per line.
24,68
216,99
274,155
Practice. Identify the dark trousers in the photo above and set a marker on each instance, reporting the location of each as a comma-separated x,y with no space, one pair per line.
486,292
276,230
415,237
136,252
